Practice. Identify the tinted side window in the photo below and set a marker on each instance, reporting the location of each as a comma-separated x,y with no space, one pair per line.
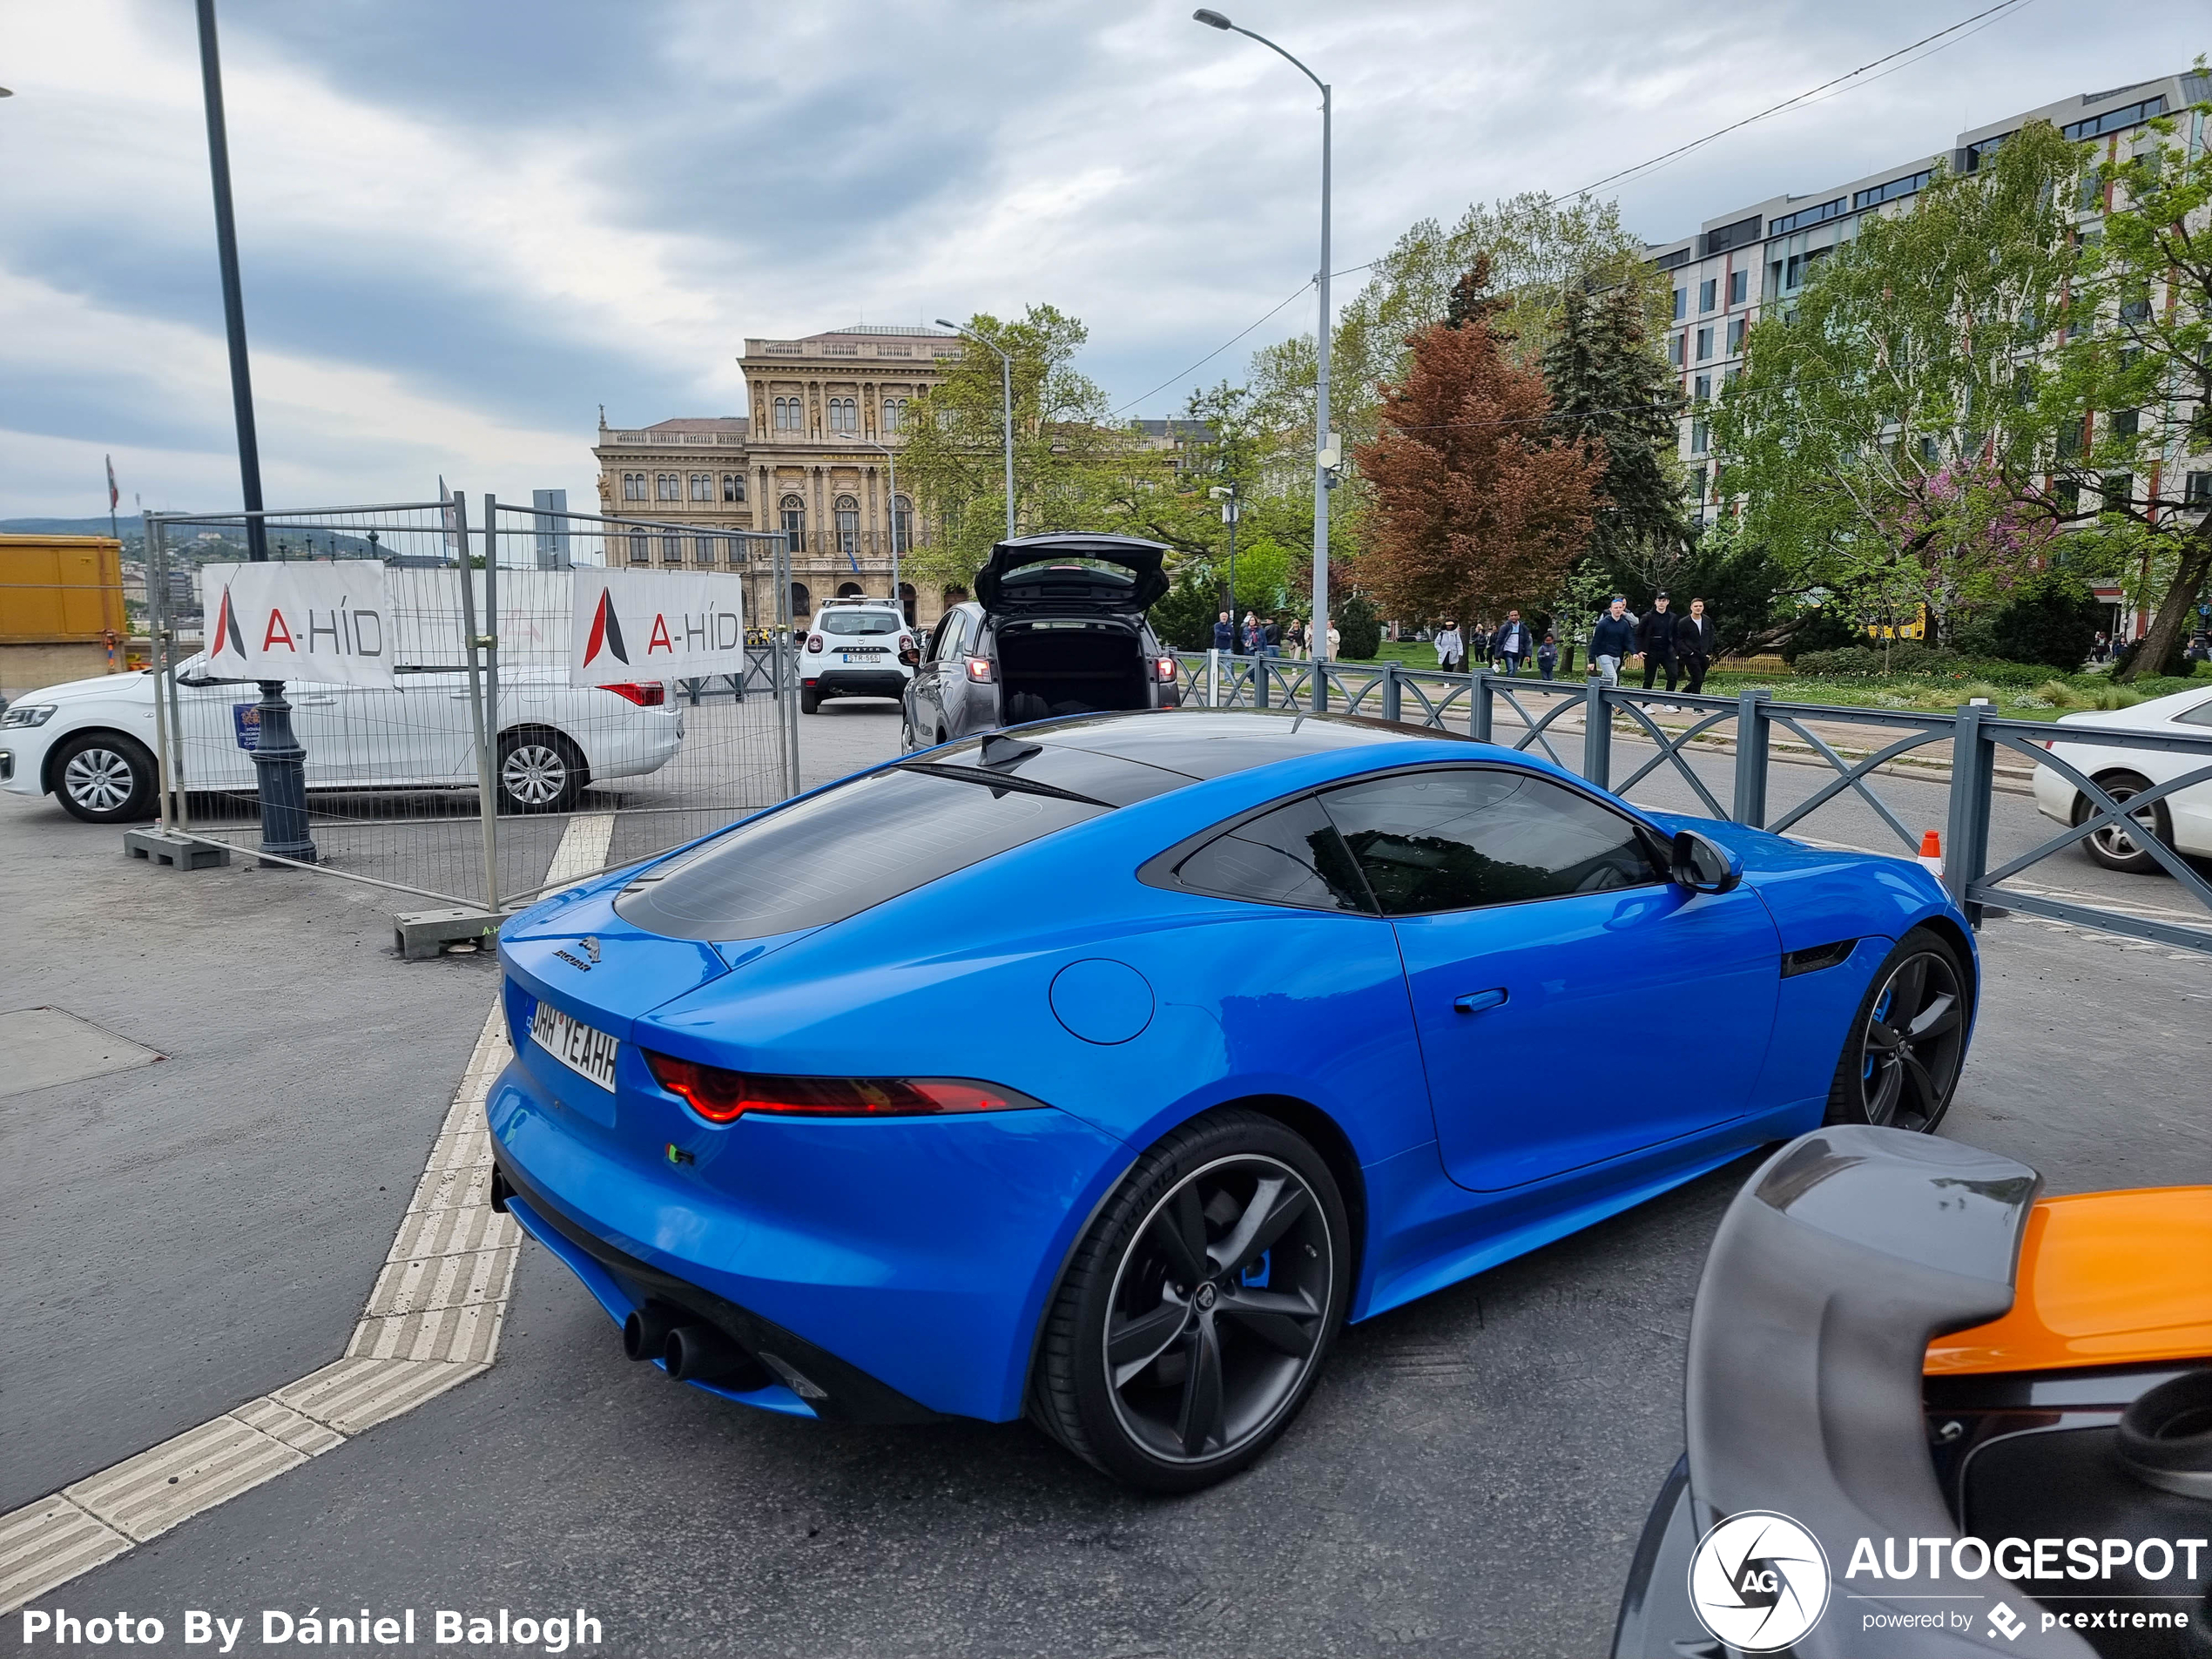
1457,838
2201,715
949,632
1290,856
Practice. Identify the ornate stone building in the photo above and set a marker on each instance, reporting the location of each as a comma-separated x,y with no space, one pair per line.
803,464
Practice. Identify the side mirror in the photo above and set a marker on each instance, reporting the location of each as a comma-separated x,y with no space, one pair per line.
1703,865
910,657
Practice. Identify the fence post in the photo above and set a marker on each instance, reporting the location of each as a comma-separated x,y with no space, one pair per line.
491,687
1321,686
1597,735
1479,705
1389,692
487,784
1213,677
1965,842
1259,684
1751,736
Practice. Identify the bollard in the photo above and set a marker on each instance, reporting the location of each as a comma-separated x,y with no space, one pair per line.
1213,677
1479,705
1751,736
1390,693
1597,735
1259,684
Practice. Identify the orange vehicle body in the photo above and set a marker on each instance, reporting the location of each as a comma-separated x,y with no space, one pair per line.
2106,1279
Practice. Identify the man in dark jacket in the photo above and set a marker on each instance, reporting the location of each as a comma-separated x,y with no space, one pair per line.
1224,634
1612,641
1511,642
1697,643
1655,639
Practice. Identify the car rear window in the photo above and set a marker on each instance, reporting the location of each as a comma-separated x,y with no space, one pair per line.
859,622
835,854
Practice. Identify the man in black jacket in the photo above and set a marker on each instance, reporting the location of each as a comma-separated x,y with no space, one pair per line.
1697,643
1655,639
1613,639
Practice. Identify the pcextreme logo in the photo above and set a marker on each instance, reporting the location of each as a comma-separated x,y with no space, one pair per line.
1758,1580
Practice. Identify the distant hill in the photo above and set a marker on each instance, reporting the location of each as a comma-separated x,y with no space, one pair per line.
126,523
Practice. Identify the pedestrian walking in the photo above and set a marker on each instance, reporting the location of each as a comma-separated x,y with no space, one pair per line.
1477,648
1448,648
1336,643
1697,643
1655,639
1547,656
2102,649
1511,642
1224,634
1612,641
1249,642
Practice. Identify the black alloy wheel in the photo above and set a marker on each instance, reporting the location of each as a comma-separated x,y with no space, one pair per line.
1198,1311
1901,1062
539,771
105,778
2116,844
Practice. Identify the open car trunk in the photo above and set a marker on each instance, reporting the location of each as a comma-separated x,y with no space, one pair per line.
1049,668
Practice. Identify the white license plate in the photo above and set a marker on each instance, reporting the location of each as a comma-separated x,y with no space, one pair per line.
846,657
583,1049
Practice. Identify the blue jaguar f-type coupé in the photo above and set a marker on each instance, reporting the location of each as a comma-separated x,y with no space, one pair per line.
1101,1070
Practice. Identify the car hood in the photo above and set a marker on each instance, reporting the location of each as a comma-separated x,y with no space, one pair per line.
1072,576
101,686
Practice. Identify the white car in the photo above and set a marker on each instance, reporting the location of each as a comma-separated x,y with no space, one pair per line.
91,743
857,647
2182,820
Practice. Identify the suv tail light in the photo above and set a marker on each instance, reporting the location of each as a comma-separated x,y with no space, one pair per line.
979,667
813,641
1163,670
646,694
723,1096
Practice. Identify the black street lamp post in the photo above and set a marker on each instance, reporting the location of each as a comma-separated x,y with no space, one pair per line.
279,763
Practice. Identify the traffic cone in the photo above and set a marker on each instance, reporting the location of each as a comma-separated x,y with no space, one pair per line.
1932,854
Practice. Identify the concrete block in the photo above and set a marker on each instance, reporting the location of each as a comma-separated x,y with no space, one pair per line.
421,934
179,852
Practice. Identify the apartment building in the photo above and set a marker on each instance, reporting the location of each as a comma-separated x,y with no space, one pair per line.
1743,262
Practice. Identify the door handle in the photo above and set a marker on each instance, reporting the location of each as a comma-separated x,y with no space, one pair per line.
1476,1001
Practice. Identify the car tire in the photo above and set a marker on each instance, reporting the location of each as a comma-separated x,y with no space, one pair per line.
105,778
540,771
1163,1362
1907,1040
2112,846
810,701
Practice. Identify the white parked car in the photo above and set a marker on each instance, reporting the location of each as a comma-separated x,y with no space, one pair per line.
91,744
2182,820
857,647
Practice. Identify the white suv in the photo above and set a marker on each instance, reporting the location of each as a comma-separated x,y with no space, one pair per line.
857,647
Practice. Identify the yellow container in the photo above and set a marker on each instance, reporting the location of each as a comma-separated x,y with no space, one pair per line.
61,609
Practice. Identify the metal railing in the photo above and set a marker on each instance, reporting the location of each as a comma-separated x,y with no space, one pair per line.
425,789
1957,751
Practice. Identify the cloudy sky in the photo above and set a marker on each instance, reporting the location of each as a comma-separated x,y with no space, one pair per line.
466,224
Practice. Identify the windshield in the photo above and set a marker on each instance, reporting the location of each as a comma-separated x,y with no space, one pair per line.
836,854
859,622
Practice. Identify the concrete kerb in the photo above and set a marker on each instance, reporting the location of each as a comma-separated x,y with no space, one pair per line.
432,1322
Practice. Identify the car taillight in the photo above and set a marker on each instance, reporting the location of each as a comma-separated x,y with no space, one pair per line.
813,641
723,1096
646,694
1163,670
905,642
979,667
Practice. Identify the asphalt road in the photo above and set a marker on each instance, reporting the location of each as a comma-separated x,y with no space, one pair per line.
1469,1478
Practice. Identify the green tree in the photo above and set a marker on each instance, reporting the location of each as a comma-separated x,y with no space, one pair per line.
2127,402
1877,434
1073,468
1610,388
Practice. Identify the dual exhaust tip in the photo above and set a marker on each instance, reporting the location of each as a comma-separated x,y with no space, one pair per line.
691,1351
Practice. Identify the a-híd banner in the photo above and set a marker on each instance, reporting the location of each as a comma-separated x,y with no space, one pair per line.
329,621
655,624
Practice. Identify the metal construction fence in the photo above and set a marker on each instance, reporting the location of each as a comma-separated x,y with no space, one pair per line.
1726,757
480,776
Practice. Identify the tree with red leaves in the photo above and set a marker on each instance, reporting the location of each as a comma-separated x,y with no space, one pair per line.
1477,505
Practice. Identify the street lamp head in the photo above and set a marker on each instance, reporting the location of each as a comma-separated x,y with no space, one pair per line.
1211,20
947,322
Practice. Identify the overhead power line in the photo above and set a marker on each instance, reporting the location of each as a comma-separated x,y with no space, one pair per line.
1827,88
